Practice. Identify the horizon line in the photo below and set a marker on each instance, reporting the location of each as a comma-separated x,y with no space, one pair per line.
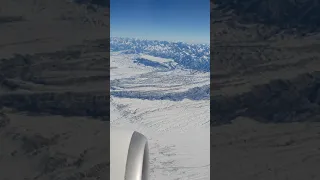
173,41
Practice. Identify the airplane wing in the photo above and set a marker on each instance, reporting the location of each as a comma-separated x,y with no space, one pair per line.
129,155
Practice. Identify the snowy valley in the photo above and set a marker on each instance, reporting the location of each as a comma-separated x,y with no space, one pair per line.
160,91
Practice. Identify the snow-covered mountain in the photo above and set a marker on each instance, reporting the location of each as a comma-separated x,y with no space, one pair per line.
157,91
191,56
154,79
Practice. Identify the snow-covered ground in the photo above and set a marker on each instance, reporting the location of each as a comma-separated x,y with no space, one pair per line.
162,104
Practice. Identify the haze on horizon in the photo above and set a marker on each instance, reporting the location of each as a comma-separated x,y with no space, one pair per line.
174,41
169,20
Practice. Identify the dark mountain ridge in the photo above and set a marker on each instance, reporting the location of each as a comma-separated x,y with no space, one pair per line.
104,3
300,14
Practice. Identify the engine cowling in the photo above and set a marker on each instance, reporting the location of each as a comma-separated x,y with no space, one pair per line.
129,155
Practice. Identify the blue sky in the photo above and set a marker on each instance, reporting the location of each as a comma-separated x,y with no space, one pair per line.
171,20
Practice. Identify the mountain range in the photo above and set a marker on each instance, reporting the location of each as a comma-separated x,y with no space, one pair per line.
192,56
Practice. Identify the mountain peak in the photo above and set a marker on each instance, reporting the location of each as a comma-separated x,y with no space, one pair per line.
192,56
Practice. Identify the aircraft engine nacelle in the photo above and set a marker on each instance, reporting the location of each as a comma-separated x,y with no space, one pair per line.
129,155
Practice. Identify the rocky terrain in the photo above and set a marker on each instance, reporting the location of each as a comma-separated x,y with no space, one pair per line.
265,90
54,93
191,56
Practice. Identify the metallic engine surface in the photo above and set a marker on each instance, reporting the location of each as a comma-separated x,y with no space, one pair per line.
137,167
